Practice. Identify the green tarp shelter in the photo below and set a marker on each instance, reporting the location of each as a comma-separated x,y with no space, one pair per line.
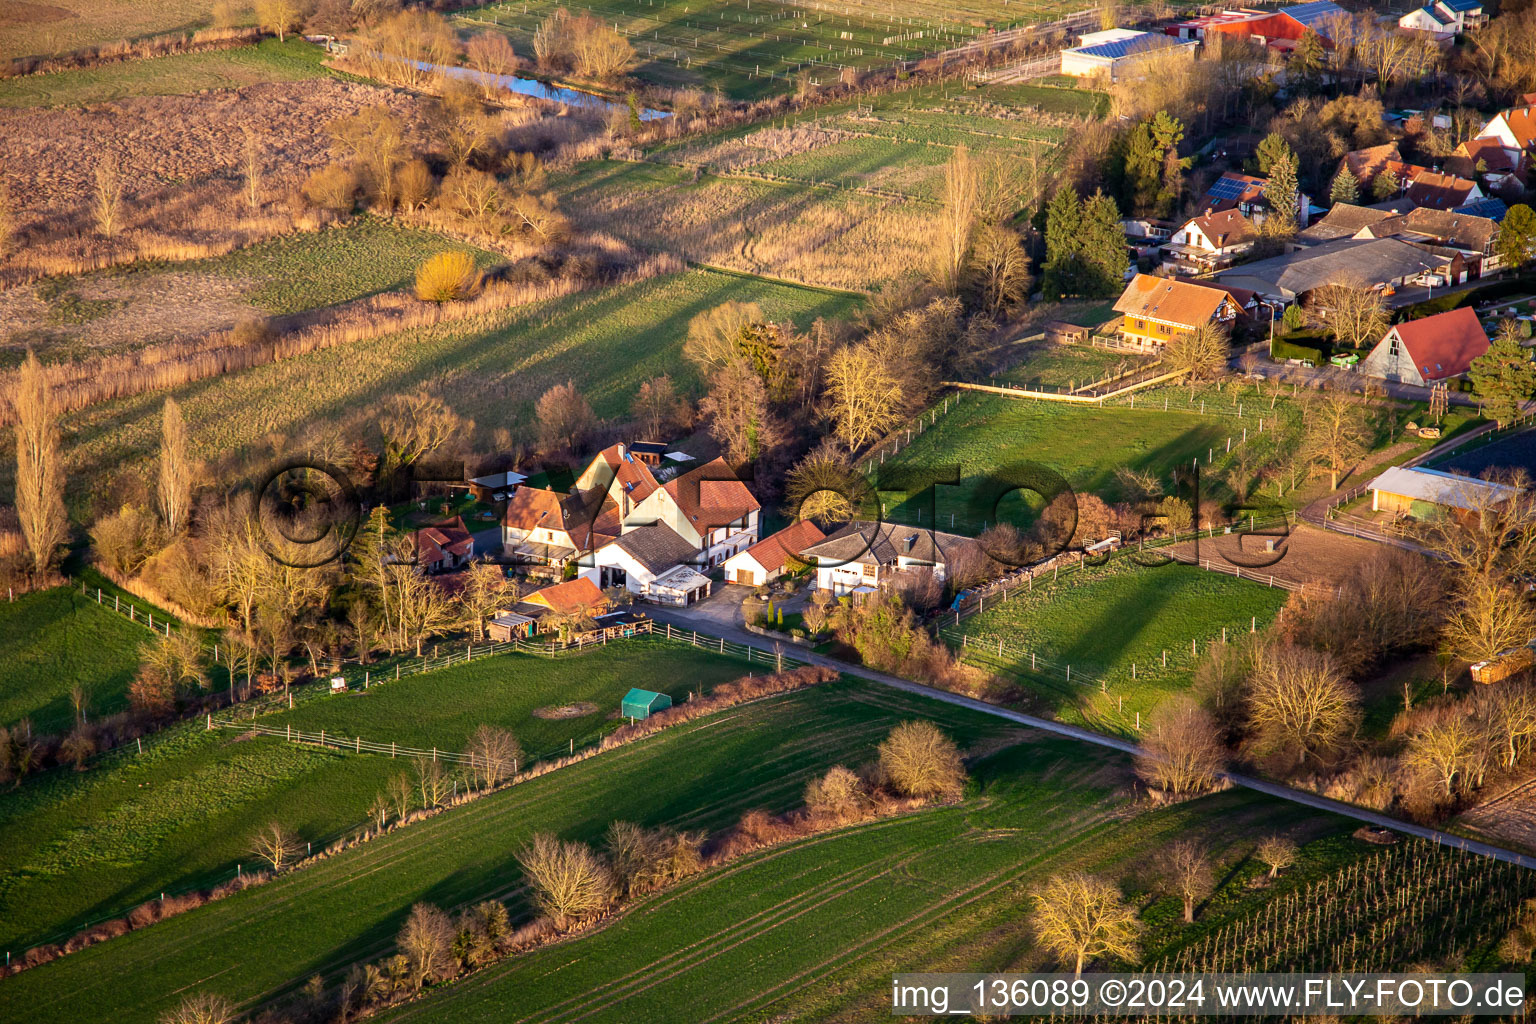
640,703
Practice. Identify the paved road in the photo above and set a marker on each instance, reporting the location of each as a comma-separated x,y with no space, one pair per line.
712,622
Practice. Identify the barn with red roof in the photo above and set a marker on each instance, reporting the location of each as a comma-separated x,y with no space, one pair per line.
1425,351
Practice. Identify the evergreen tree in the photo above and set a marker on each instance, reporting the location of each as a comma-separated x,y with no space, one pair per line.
1103,248
1308,57
1167,132
1271,149
1345,188
1385,186
1503,377
1143,171
1517,236
1283,195
1063,226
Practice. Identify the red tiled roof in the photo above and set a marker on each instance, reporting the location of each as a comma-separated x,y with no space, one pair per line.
1365,164
1463,161
1522,124
1439,191
630,474
772,552
580,594
711,496
434,543
1229,227
1445,344
1171,300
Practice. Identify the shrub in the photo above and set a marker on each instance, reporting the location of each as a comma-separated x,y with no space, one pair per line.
200,1008
838,795
917,759
333,187
570,882
448,277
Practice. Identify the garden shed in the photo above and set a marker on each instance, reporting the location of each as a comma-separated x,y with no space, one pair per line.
638,703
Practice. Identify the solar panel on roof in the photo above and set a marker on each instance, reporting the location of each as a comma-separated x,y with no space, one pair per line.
1314,11
1227,188
1492,209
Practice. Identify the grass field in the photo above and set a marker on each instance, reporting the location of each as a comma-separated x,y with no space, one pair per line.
1084,444
52,639
31,27
268,61
814,931
704,774
1102,620
78,846
1068,366
491,369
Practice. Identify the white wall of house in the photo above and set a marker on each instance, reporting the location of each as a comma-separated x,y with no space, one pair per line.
743,568
840,579
610,557
1499,129
1390,360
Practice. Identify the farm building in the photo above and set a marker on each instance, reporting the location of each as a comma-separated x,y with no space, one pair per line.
495,487
639,558
511,626
1117,52
1063,333
578,596
1428,493
638,703
1380,263
679,587
1275,29
1158,309
1424,351
768,558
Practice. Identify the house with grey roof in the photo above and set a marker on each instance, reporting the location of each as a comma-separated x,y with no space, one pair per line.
642,560
862,554
1379,263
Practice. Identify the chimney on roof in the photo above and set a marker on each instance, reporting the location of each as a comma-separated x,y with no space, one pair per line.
910,541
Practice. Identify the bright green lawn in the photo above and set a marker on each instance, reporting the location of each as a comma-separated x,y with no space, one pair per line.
79,846
491,369
1084,444
813,932
704,774
52,639
268,61
1066,366
1102,620
443,708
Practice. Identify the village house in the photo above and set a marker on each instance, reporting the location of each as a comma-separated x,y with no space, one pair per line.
1514,129
768,559
1158,309
862,555
579,596
1444,19
1427,351
629,518
444,546
1249,196
1441,191
1212,241
1489,162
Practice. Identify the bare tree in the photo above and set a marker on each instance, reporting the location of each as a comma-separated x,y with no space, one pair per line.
432,783
1080,917
494,754
570,882
486,589
279,16
1183,751
864,397
415,425
1507,711
1488,615
108,195
1353,313
401,794
1336,434
250,168
1450,753
1002,267
1201,352
565,418
659,408
740,418
958,226
919,760
1185,869
824,487
175,469
1495,535
1300,707
200,1008
491,54
1276,851
276,845
39,477
714,336
426,942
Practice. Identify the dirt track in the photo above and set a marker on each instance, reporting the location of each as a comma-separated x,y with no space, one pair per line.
1308,555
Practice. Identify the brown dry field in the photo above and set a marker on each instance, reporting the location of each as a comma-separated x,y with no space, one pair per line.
1311,555
1509,819
29,28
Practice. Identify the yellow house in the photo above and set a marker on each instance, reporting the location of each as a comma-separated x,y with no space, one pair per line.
1158,309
